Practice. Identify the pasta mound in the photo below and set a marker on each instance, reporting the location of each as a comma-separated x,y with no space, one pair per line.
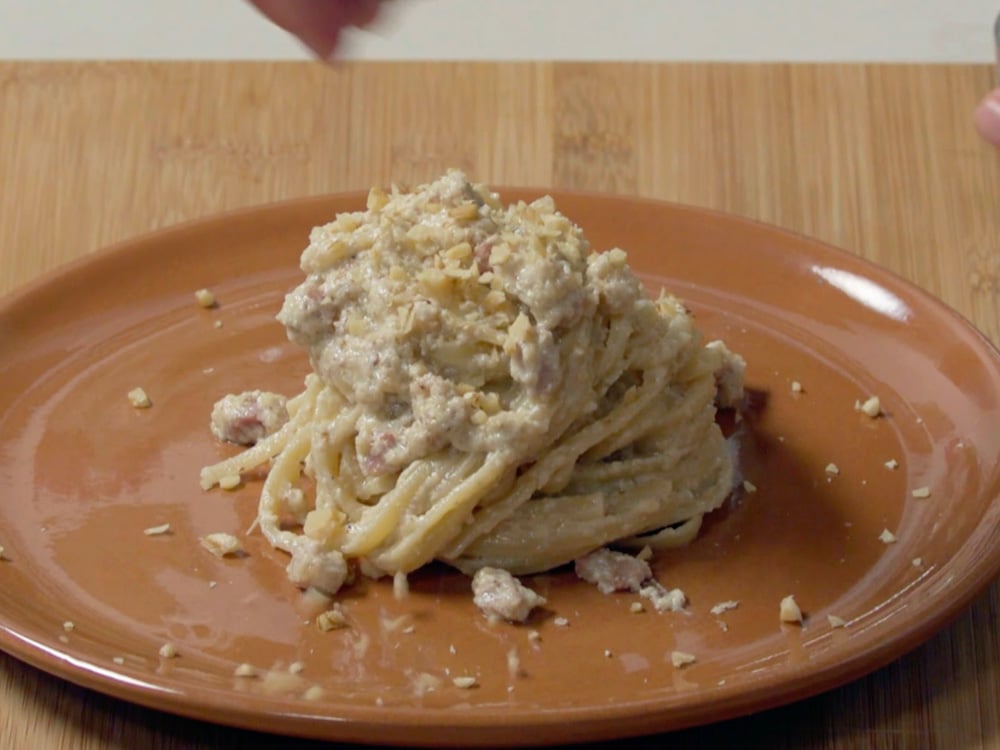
487,391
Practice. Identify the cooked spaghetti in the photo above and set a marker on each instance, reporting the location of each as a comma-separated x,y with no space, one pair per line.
486,391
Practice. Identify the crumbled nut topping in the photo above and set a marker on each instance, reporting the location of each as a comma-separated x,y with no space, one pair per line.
790,611
139,399
221,544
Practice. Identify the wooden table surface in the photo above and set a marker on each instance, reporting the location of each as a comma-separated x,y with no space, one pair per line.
880,160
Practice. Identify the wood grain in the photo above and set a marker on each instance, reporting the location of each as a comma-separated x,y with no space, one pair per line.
881,160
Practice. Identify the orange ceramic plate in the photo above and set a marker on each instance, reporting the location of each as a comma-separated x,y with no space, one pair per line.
82,474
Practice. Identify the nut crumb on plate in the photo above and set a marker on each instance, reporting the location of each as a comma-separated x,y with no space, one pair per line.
205,298
871,406
68,626
221,544
892,464
833,469
681,659
921,493
332,619
887,537
796,387
119,660
636,607
157,530
314,693
139,398
560,622
917,562
789,610
245,670
749,487
721,607
168,650
836,622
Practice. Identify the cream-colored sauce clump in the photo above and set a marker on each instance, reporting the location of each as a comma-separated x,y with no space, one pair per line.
439,311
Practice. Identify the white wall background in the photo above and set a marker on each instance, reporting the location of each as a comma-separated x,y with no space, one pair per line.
820,30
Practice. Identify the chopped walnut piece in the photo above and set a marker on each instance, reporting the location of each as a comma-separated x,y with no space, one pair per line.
681,659
168,651
205,298
333,619
221,544
790,610
721,607
872,406
139,399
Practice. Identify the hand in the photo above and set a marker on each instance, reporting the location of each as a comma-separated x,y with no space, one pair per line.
318,23
987,117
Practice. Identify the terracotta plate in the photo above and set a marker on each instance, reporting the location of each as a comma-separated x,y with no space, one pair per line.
83,473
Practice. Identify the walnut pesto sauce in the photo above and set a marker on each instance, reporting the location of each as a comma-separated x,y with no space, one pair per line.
467,357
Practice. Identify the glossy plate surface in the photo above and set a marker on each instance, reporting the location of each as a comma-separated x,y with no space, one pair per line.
83,473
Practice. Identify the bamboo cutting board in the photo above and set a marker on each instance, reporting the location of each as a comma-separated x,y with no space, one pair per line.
880,160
